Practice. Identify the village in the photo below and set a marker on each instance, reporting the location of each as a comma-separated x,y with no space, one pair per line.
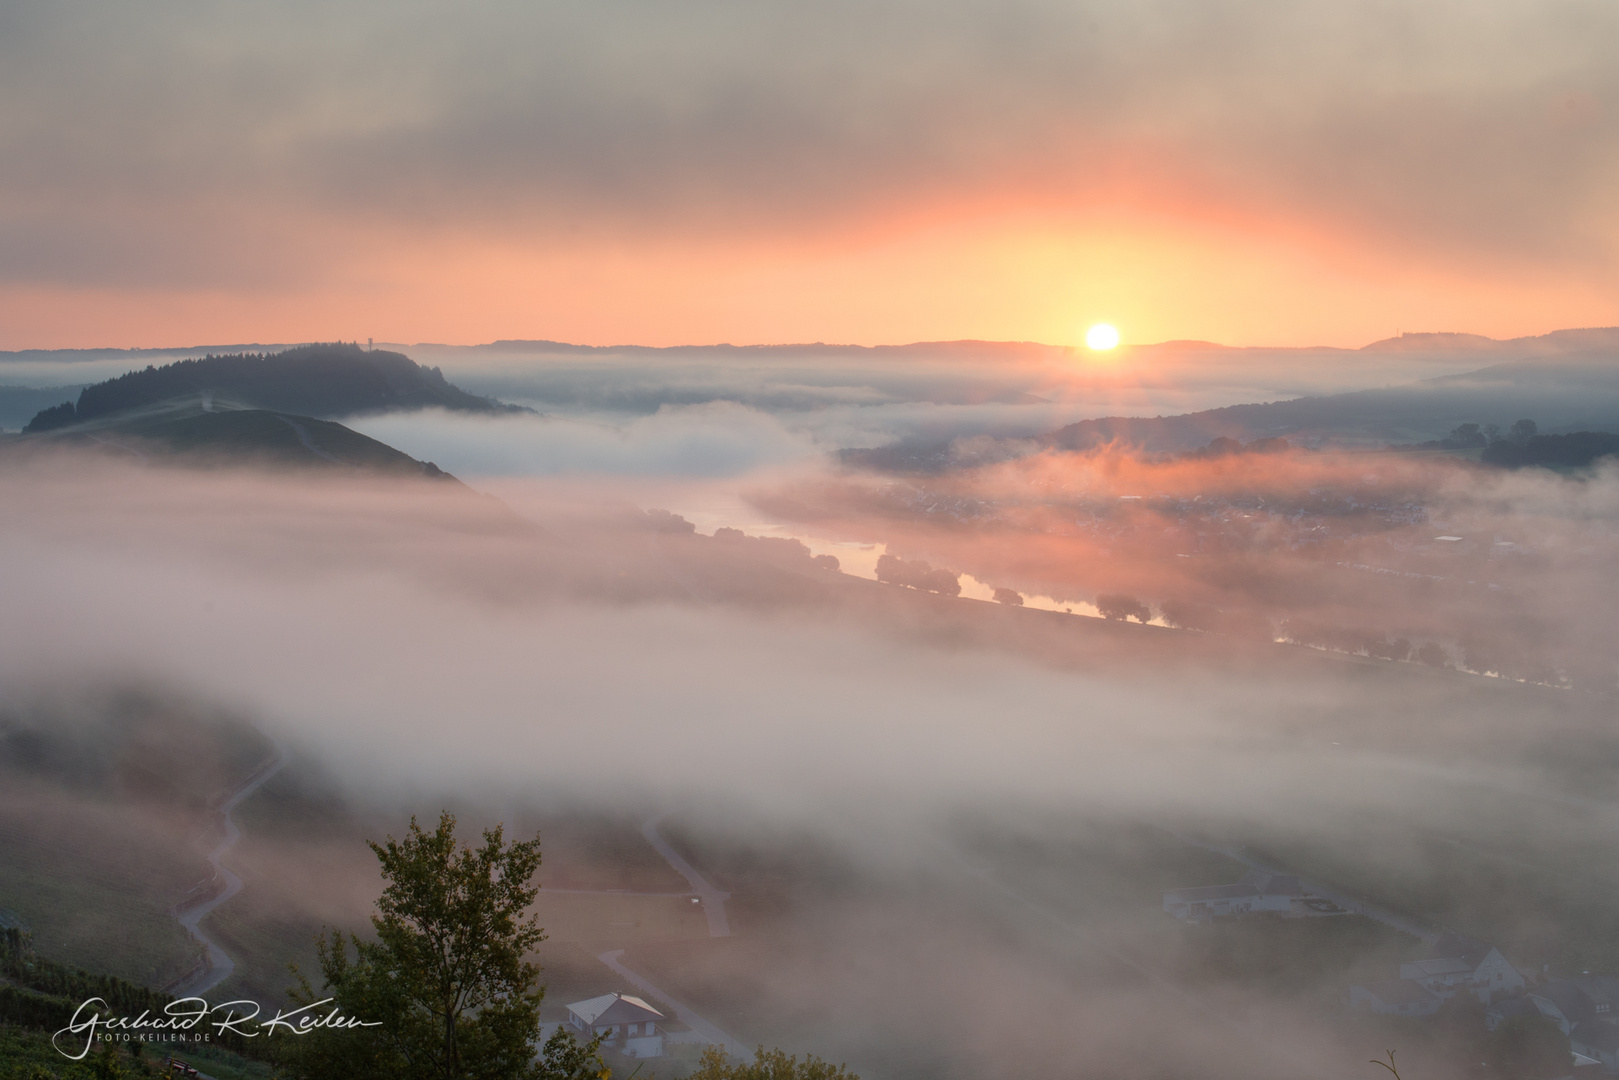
1584,1008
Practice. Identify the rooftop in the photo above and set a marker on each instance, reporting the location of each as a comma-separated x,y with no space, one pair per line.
614,1009
1274,884
1442,966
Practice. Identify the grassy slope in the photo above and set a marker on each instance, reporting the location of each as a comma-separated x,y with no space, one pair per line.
234,436
94,888
100,834
28,1055
230,436
184,432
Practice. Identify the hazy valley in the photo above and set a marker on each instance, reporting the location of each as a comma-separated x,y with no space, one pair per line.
934,739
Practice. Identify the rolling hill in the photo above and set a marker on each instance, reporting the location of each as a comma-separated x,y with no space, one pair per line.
311,380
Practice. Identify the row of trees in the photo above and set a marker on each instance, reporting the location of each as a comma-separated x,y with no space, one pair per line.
781,550
1576,450
1522,444
1119,607
918,575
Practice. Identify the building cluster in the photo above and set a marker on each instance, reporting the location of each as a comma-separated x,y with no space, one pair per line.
1586,1009
1455,964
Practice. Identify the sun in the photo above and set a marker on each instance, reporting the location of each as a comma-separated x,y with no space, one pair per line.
1101,337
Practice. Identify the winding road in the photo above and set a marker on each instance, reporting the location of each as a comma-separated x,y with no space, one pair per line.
713,899
220,965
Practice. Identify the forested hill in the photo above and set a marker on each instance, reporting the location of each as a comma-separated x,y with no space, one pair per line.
1578,391
310,380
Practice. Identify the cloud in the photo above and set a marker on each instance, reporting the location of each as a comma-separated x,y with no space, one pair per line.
714,439
1486,130
842,396
433,633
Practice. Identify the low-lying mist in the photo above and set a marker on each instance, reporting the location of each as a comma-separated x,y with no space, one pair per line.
991,797
434,633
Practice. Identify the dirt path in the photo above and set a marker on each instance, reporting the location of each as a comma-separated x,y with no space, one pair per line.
220,965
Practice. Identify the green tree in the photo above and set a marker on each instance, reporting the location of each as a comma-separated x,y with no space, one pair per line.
106,1066
767,1065
445,986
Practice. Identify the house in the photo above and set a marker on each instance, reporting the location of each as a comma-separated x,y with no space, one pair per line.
1587,1011
1567,1002
1258,891
1397,997
624,1022
1599,1040
1458,962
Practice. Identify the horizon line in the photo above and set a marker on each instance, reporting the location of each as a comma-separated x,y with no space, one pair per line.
1181,342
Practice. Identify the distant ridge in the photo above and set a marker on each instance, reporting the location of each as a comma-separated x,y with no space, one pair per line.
1568,340
1426,342
965,347
1558,341
74,356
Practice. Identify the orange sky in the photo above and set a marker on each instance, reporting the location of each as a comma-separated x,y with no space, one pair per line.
990,280
999,172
